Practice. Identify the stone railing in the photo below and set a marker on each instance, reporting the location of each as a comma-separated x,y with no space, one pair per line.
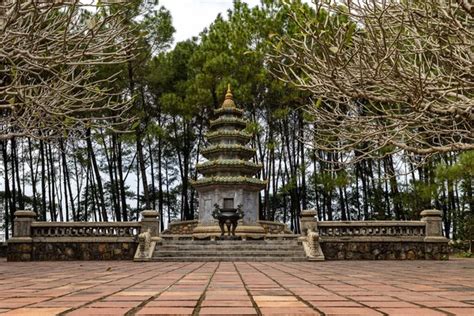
88,229
181,227
369,229
33,240
421,239
274,227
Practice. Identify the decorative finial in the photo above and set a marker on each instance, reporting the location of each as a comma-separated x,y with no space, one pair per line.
229,99
228,95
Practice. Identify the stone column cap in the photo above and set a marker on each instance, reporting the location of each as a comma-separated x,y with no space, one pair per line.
25,213
308,213
150,213
431,213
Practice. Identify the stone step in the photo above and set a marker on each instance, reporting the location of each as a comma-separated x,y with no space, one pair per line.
229,259
231,242
294,253
222,247
229,250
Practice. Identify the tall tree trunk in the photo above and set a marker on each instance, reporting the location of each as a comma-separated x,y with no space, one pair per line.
43,181
53,185
113,198
303,163
142,169
152,169
21,203
9,207
33,175
95,166
65,179
78,187
123,197
160,183
68,181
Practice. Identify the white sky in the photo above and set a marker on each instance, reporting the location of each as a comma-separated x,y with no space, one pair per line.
190,17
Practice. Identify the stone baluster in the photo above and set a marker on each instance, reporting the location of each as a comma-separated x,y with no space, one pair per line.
434,227
150,221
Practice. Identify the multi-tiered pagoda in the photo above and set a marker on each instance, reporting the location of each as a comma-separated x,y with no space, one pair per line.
228,175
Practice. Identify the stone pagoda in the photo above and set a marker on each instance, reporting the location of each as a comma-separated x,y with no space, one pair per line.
228,176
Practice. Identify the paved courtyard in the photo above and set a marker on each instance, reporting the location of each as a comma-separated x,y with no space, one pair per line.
241,288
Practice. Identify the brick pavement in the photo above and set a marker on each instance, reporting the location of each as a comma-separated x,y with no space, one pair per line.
240,288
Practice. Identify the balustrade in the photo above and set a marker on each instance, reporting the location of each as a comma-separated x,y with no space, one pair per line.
121,229
372,229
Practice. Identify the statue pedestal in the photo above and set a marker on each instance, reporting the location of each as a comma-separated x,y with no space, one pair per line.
242,231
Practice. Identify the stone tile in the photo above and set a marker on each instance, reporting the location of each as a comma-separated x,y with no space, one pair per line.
298,311
411,311
228,303
374,298
282,304
443,303
171,304
227,311
274,298
35,311
349,311
165,311
125,298
334,304
469,311
110,304
397,304
323,298
99,311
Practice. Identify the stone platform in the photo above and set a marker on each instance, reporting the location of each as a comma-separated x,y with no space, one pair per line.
238,288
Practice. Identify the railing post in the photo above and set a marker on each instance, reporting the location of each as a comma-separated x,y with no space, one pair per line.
308,221
22,223
20,246
434,227
310,235
150,221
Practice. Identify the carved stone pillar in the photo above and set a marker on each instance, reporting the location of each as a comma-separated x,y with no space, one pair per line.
434,225
308,221
150,221
20,246
310,236
22,223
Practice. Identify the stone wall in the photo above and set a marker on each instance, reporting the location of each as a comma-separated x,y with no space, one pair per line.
72,250
40,241
181,227
384,250
3,249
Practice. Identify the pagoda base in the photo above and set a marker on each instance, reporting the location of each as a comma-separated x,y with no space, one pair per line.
242,231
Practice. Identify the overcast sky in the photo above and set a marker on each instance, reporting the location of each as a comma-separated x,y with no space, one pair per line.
190,17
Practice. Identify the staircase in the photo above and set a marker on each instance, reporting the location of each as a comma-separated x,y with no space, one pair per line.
229,250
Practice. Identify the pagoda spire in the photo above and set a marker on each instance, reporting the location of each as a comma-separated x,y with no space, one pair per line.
229,98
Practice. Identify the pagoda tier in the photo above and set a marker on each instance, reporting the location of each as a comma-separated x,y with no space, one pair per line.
236,137
223,167
228,151
228,154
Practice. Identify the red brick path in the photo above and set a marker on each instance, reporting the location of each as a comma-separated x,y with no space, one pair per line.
240,288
